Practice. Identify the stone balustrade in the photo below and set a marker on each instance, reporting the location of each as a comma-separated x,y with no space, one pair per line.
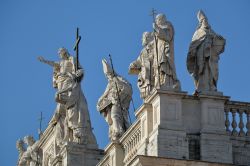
106,161
237,118
120,152
131,140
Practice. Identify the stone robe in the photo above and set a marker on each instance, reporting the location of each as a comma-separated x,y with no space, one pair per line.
77,122
143,67
164,67
30,157
114,106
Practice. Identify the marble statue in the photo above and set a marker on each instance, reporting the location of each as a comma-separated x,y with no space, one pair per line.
143,66
164,66
114,103
30,156
21,149
203,56
71,118
78,127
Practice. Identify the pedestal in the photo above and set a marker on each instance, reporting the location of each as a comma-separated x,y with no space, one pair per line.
114,155
68,154
168,138
79,155
214,142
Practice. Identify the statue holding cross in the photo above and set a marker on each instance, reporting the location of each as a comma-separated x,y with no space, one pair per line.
155,65
71,117
164,66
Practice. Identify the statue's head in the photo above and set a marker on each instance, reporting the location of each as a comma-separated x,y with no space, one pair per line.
29,140
63,53
107,70
203,21
20,145
147,37
160,19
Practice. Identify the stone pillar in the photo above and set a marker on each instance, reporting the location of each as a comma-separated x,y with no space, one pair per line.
215,144
168,138
80,155
114,155
145,114
69,154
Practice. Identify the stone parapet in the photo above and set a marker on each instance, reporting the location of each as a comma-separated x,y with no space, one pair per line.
241,149
162,161
182,127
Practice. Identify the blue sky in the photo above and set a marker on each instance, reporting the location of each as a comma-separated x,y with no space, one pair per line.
33,28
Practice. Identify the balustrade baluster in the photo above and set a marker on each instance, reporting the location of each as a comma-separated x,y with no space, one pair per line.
227,122
138,136
248,122
125,149
129,146
136,139
133,142
234,123
241,124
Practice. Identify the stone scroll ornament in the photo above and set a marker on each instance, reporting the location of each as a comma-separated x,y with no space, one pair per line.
203,56
71,118
115,101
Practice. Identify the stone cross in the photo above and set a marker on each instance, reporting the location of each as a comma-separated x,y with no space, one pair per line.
76,47
153,14
41,118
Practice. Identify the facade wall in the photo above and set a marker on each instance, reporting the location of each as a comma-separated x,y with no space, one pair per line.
158,161
241,150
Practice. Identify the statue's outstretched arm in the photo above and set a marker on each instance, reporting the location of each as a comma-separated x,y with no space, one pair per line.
136,65
51,63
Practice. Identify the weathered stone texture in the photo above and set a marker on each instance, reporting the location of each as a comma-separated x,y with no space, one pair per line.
241,150
159,161
216,148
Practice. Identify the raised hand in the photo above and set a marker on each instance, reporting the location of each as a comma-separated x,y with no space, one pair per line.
41,59
51,63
